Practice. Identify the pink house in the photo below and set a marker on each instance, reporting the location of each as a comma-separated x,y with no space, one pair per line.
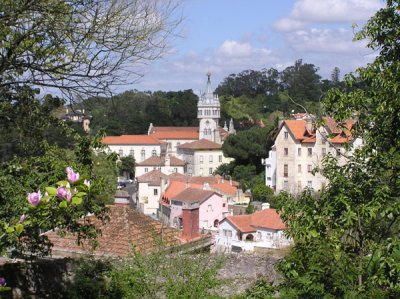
212,207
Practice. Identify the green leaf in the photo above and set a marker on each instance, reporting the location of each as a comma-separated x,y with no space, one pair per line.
10,230
81,194
63,204
51,190
76,200
62,183
19,228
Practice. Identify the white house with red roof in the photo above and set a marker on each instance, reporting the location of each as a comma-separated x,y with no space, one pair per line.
141,147
263,229
166,164
300,148
202,157
149,189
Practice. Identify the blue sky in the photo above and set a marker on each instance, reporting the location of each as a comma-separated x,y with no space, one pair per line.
229,36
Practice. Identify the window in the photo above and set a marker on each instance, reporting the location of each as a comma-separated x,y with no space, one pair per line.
132,153
227,233
205,131
285,185
210,158
175,169
220,158
209,208
142,154
224,205
286,134
323,152
201,159
121,152
146,170
209,132
299,168
309,184
309,151
338,152
309,168
201,171
285,170
154,153
286,151
200,112
258,235
268,178
155,191
210,170
299,152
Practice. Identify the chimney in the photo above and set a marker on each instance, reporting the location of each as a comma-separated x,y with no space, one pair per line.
264,206
309,125
167,160
190,222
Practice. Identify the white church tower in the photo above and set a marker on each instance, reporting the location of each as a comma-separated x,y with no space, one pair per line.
208,113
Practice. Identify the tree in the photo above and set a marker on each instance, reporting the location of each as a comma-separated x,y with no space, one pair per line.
80,47
262,193
127,165
347,239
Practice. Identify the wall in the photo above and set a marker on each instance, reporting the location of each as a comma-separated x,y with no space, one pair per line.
216,212
148,202
126,150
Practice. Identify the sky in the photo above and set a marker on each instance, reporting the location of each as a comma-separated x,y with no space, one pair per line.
230,36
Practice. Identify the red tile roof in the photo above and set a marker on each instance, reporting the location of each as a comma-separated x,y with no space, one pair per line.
241,222
225,188
191,195
152,177
176,187
131,139
268,218
298,130
160,161
175,132
202,144
128,231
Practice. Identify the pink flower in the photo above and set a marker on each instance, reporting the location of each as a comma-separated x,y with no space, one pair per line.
64,193
34,198
69,169
22,219
87,183
73,176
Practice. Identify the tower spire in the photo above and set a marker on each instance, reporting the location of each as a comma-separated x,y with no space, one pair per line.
209,89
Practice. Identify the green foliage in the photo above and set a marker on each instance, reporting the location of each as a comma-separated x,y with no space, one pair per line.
156,275
262,289
261,192
131,112
127,164
249,209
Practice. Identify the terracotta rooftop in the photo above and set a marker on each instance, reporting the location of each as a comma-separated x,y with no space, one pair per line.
160,161
128,231
130,139
176,187
152,177
211,180
191,195
225,188
267,218
202,144
241,222
297,127
175,132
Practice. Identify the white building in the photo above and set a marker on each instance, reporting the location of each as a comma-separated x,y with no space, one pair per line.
166,164
150,187
202,157
299,149
141,147
263,229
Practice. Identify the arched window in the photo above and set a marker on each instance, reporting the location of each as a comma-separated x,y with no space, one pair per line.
205,131
209,131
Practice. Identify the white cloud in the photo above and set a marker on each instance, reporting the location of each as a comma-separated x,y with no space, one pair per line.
324,40
327,11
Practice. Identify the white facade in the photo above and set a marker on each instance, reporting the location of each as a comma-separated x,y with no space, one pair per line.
208,113
140,152
203,162
229,235
148,198
141,170
293,159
